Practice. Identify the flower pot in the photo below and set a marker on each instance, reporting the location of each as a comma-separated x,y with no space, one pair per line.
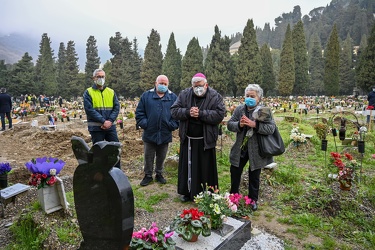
194,238
361,146
324,145
122,125
346,186
3,180
53,198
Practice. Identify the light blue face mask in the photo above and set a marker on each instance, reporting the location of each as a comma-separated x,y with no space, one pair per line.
250,102
162,88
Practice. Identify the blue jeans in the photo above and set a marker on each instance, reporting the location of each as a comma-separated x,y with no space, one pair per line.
105,135
150,151
2,115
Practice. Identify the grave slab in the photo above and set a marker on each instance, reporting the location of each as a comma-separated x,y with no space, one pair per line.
234,240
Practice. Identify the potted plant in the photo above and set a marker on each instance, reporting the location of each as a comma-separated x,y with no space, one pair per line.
296,137
5,168
214,205
346,166
152,238
242,205
190,224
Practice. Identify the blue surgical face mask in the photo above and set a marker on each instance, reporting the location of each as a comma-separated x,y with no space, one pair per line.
250,102
162,88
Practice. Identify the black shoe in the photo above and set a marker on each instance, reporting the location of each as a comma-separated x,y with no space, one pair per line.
254,207
146,180
185,198
3,129
159,178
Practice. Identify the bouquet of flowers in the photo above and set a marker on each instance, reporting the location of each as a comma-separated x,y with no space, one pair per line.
152,238
296,137
191,221
44,171
242,205
346,166
5,168
214,205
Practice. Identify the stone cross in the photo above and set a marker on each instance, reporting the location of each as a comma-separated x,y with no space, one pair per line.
103,196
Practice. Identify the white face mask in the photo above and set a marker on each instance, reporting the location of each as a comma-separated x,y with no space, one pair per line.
100,81
199,91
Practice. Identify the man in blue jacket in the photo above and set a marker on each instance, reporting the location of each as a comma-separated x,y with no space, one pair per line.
102,108
5,108
153,115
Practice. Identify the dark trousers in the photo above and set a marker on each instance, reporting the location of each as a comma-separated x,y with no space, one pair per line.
254,177
2,115
105,135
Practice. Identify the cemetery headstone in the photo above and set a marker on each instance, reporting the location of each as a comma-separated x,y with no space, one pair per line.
103,196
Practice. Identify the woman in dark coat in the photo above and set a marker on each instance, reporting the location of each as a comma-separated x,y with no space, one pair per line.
5,108
246,148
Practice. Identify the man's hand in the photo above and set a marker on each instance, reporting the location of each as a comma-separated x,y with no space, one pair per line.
194,112
106,125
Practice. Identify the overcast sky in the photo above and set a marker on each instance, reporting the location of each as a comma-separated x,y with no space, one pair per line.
76,20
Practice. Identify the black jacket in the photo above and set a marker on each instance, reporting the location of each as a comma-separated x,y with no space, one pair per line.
211,114
5,103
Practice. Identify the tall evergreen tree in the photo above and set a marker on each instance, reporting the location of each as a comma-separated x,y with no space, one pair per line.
115,47
122,86
365,70
45,76
172,65
92,60
217,64
331,65
192,63
316,68
249,63
287,68
268,82
4,75
22,77
62,78
136,63
153,61
75,88
300,59
346,67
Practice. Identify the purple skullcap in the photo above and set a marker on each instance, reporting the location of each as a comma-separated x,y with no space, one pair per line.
198,77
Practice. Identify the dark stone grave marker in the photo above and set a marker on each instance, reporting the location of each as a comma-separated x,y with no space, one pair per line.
103,196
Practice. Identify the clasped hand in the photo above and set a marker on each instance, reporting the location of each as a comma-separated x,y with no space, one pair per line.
245,121
106,125
194,111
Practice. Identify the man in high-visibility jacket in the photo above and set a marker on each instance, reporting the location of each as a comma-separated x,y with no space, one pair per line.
102,108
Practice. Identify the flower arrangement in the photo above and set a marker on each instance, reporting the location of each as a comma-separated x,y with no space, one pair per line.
242,205
346,166
44,171
5,168
296,137
152,238
191,221
214,205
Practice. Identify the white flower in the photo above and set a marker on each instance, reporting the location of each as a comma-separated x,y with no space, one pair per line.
52,171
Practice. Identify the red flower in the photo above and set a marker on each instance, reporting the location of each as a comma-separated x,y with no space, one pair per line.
195,213
370,107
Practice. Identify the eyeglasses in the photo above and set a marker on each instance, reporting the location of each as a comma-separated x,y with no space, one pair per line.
100,76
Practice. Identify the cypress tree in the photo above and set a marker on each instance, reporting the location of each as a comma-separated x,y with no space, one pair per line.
346,67
249,63
92,60
192,63
45,71
268,82
331,65
22,77
74,87
316,86
300,59
217,64
153,61
115,47
172,65
287,68
61,71
365,70
136,63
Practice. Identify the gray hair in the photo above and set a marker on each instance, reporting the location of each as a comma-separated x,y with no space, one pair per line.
3,90
256,88
96,71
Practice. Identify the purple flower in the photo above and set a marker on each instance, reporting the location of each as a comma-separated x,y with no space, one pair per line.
5,168
44,164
